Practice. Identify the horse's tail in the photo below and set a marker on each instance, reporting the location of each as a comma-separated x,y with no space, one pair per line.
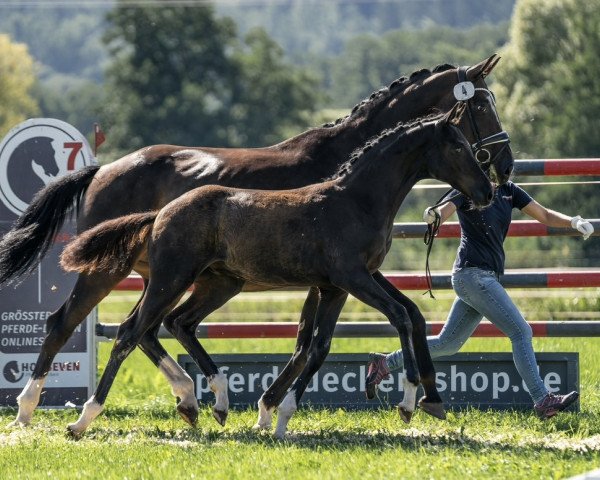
29,239
111,246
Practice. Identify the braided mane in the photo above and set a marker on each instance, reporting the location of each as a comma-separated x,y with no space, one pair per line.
390,133
397,85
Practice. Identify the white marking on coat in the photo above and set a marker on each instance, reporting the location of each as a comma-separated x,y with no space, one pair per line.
219,385
199,164
91,409
28,399
285,411
410,395
265,416
182,385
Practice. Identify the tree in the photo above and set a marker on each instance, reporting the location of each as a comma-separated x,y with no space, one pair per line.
17,77
75,101
549,86
548,91
65,42
180,75
272,97
64,39
317,28
370,62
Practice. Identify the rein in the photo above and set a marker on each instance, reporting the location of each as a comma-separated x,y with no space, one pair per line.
464,91
479,147
430,234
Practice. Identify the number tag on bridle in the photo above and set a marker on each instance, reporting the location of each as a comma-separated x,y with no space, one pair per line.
464,90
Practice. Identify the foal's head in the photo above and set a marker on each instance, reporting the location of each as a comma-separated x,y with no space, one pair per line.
450,159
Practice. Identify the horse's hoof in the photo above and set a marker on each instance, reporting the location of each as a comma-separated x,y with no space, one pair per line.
435,409
405,415
189,414
17,424
260,427
220,416
74,433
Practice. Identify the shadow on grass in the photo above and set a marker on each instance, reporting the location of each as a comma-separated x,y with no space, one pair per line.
568,433
377,442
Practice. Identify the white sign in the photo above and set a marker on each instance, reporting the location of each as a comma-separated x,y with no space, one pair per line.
32,155
36,152
464,91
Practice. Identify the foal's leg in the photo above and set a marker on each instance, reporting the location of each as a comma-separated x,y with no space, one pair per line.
432,402
210,292
274,394
182,386
157,301
86,294
328,311
362,285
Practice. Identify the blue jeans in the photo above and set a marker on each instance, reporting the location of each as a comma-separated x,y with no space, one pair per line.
479,294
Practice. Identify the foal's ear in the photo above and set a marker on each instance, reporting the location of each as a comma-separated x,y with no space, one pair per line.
455,114
483,68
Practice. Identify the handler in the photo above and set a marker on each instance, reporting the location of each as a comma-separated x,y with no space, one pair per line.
475,279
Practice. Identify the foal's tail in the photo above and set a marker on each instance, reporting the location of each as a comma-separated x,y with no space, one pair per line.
29,239
111,246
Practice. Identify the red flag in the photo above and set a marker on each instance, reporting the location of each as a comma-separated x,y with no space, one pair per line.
98,137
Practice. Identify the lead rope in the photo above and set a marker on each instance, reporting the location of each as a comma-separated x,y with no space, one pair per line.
433,228
430,234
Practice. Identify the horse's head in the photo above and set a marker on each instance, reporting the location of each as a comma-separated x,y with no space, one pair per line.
480,123
426,92
451,159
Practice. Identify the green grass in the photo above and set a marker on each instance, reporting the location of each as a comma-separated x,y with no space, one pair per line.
140,436
536,304
151,443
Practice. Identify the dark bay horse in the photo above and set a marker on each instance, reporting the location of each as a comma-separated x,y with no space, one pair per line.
332,236
151,177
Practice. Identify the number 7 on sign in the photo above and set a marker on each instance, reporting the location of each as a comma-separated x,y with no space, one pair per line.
75,148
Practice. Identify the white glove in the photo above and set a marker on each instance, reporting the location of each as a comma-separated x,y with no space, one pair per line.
430,214
582,226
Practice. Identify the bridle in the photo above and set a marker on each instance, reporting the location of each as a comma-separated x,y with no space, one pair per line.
464,90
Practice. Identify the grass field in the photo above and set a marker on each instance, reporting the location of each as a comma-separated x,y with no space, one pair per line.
140,436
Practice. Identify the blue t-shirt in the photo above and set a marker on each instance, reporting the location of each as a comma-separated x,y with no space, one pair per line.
483,231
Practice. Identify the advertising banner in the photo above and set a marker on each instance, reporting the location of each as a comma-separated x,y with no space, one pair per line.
33,154
482,380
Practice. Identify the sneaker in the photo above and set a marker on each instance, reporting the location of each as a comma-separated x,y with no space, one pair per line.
378,371
551,404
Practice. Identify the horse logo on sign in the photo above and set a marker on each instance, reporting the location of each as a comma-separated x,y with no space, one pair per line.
35,153
12,372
